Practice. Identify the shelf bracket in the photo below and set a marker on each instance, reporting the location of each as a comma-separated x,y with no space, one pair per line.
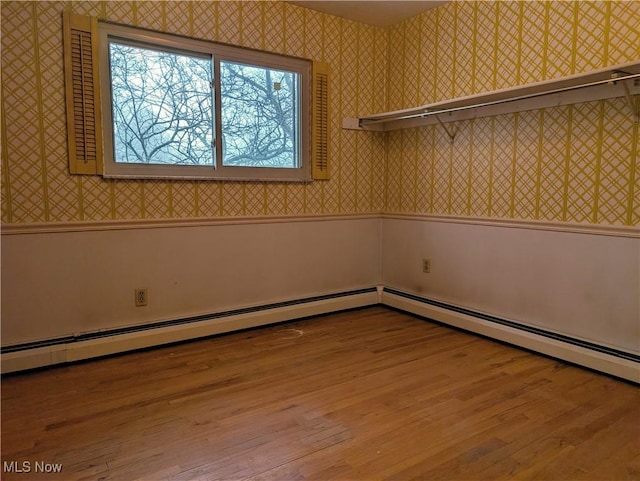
450,133
633,103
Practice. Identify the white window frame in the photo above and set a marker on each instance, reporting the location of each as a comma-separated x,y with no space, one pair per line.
217,52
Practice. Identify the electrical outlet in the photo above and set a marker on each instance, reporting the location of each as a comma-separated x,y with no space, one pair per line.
141,297
426,266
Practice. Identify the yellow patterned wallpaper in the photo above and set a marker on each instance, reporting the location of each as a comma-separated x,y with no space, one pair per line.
576,163
36,185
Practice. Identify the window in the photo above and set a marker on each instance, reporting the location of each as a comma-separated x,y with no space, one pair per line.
176,107
261,121
145,104
161,107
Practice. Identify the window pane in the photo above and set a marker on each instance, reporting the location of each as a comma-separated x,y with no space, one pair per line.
259,116
162,107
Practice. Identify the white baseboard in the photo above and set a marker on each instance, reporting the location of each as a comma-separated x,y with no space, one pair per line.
590,358
78,350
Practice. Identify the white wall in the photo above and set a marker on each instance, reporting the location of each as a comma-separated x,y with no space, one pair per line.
56,284
62,283
581,285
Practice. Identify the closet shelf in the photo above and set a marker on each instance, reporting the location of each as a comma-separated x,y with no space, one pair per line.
611,82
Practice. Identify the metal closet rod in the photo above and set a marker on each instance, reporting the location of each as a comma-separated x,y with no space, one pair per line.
427,112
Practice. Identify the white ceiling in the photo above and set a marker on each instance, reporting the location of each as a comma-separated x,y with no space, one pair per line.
382,13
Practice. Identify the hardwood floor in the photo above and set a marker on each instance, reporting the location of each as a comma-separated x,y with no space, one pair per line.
372,394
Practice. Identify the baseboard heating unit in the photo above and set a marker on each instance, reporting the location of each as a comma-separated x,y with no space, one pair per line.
611,361
102,343
618,363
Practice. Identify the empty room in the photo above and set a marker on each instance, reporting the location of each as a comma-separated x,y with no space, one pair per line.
309,240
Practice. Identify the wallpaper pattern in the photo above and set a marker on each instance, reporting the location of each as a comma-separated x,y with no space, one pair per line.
36,185
576,163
